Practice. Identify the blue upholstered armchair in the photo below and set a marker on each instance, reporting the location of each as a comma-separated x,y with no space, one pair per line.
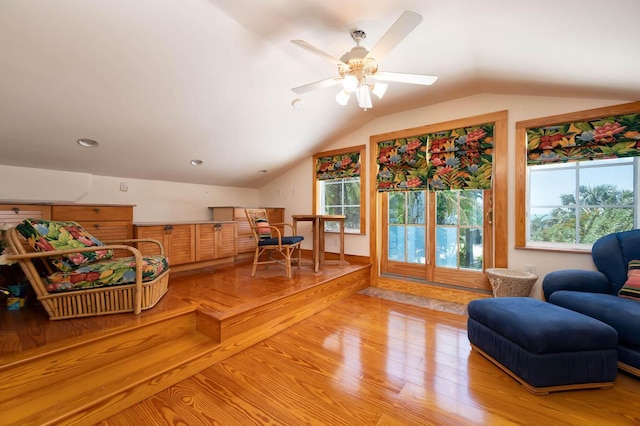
611,255
595,293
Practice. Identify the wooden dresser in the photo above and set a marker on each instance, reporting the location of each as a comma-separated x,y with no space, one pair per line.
246,242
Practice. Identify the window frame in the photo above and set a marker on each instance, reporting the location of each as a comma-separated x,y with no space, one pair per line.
522,177
317,193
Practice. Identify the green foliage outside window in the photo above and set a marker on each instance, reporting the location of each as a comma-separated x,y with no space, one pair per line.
604,209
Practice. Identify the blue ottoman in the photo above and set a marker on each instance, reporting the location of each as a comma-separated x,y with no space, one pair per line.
543,346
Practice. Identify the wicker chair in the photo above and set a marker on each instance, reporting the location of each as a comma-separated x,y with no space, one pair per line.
141,285
270,242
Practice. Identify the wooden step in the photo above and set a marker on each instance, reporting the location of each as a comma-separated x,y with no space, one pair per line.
49,387
84,380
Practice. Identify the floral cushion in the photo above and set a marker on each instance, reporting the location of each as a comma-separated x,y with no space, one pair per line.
107,273
45,235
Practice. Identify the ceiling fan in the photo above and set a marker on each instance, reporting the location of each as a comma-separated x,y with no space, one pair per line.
358,68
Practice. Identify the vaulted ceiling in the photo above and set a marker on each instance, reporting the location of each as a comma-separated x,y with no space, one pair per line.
161,82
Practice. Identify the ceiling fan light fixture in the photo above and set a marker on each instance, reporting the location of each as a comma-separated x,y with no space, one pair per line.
364,96
350,83
342,97
379,89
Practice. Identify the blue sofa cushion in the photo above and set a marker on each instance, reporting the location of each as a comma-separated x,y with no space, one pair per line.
620,313
541,327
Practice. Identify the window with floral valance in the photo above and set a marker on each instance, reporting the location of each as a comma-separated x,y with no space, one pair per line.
338,166
606,137
447,160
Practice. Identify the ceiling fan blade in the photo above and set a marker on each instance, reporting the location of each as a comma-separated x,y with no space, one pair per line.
406,23
425,80
316,51
322,84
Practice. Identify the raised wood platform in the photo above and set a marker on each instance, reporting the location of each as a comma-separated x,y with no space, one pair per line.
83,370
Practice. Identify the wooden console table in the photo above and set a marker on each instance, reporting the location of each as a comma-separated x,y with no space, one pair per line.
317,225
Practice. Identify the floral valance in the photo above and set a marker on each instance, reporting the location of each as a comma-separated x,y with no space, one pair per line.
448,160
461,158
402,164
338,166
605,137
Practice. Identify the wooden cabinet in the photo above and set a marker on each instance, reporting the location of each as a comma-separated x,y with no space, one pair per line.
191,245
178,241
215,240
246,242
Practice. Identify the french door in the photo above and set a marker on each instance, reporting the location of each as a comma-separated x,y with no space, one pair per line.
443,236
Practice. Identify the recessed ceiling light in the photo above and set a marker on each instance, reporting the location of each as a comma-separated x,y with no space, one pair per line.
87,143
196,162
261,172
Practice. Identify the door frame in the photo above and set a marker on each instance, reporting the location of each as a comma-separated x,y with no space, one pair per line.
499,201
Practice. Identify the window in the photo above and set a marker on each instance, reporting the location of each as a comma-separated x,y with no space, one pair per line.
574,204
341,196
577,177
337,187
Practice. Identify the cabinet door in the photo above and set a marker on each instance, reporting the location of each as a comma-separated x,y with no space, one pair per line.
226,240
158,233
276,216
181,241
205,241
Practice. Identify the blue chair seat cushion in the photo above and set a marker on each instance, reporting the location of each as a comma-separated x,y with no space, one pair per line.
618,312
287,241
540,327
117,271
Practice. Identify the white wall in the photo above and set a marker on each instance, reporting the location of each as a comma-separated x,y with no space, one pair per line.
155,201
519,108
170,201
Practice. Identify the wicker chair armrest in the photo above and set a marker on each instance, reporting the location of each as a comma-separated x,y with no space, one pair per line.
44,254
279,234
137,240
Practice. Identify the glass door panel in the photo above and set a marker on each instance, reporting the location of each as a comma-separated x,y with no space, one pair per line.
437,236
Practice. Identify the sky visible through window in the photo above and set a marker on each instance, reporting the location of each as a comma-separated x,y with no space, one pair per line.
548,183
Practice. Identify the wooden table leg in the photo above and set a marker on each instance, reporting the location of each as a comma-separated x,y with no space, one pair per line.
342,241
316,243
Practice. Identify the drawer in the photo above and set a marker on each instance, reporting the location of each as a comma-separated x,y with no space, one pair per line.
109,230
88,213
246,243
16,213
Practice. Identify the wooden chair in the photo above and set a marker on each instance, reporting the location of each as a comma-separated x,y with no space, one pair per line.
100,286
270,241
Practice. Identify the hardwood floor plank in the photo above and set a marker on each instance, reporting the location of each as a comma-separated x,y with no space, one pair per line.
360,361
374,362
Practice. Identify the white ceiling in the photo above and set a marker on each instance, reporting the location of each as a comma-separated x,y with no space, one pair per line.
161,82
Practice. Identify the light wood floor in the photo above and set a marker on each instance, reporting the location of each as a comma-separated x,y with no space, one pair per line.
369,361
